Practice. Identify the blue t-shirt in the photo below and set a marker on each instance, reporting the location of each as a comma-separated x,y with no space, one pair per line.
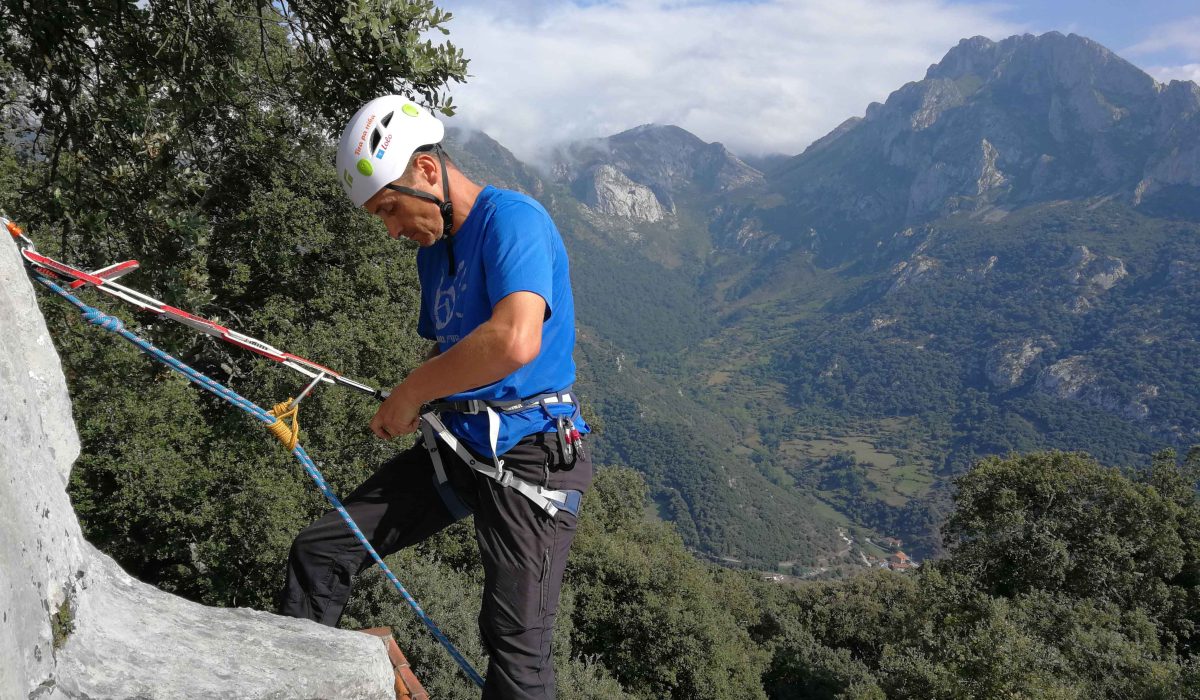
507,244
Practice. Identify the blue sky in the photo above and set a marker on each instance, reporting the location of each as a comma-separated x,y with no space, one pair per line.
1162,34
760,76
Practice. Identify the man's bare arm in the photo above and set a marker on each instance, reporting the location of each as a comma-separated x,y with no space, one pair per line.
504,343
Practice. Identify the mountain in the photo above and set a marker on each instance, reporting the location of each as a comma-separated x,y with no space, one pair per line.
993,126
1004,256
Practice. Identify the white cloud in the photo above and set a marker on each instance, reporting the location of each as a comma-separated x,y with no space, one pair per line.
1165,74
767,76
1181,35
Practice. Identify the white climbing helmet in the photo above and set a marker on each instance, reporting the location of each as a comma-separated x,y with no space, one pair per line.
377,143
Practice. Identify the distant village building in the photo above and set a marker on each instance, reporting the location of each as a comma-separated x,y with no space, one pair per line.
891,542
901,562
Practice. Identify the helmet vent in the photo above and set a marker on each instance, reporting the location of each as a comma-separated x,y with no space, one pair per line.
375,136
387,118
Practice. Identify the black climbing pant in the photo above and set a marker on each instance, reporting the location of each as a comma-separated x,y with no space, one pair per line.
524,551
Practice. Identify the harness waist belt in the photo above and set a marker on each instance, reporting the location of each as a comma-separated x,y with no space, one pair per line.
476,406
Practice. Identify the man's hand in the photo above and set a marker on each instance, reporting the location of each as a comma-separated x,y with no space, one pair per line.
399,415
511,338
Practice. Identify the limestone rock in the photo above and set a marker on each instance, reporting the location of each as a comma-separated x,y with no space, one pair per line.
979,273
994,127
1008,364
40,541
1095,272
666,159
909,271
610,192
1177,159
115,637
1092,275
133,640
1067,379
881,322
1073,379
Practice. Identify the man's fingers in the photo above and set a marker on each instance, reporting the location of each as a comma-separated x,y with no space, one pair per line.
378,429
385,426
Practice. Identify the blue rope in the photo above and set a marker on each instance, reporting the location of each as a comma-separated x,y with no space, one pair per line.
114,324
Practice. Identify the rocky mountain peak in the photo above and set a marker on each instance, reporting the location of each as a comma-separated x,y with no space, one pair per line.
1047,61
994,126
664,158
973,56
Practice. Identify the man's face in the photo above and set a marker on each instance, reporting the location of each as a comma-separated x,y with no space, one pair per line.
406,216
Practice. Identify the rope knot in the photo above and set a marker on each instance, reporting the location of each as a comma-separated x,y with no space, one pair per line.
287,434
99,318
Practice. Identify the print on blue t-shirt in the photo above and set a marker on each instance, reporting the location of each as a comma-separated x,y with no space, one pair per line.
507,244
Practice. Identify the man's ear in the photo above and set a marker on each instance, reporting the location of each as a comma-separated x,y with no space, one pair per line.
428,167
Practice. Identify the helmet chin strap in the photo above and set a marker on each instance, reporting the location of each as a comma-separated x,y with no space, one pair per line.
445,206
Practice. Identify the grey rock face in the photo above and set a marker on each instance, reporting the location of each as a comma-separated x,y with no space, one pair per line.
131,640
1067,379
610,192
880,322
40,541
981,272
1073,379
1008,364
909,271
1098,273
1092,275
1176,162
117,637
666,159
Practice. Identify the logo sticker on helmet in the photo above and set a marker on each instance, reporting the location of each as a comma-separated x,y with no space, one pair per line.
411,110
364,167
379,153
348,177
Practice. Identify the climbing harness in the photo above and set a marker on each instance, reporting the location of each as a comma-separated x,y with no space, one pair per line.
570,445
276,420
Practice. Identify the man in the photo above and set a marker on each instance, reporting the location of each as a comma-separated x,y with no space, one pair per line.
502,438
